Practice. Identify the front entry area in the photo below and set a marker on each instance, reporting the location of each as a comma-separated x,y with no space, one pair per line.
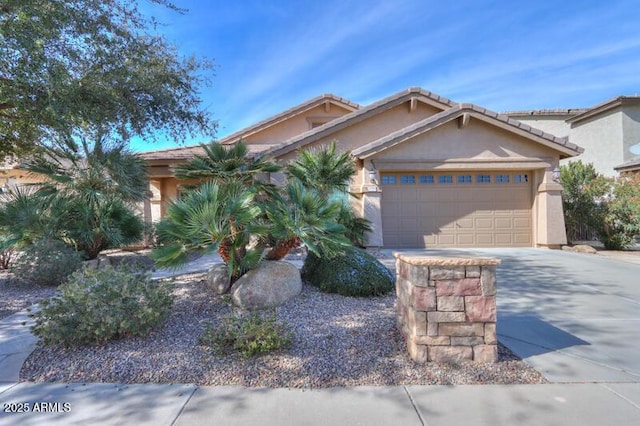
457,209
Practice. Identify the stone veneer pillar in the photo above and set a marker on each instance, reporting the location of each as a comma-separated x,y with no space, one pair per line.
446,308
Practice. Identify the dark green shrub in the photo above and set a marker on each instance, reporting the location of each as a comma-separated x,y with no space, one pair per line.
356,273
356,228
46,262
98,305
250,335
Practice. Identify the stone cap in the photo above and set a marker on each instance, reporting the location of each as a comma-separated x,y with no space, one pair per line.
418,260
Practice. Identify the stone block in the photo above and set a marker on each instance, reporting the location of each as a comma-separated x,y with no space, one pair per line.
480,308
488,280
461,329
446,273
416,322
450,354
435,316
450,303
419,275
433,340
472,272
459,287
485,353
432,328
403,289
467,341
423,298
490,337
418,353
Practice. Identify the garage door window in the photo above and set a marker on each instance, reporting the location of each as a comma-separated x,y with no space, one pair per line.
483,178
407,179
388,180
520,178
502,178
426,179
445,179
464,179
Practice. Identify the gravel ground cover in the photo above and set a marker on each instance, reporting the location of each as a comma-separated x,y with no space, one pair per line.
16,295
337,341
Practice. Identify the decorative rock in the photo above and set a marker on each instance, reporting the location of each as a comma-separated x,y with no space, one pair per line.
485,353
445,317
423,298
488,280
461,329
583,248
480,308
270,284
490,337
460,287
472,272
104,262
450,303
218,279
448,273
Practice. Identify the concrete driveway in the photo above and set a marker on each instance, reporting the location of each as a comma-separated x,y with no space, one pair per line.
574,317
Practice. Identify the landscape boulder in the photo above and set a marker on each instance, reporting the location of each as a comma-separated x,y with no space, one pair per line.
218,279
270,284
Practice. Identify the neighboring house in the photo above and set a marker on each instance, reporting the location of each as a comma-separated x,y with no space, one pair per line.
609,132
11,175
628,168
431,172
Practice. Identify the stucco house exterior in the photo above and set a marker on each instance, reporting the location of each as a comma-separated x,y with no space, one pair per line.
609,132
431,172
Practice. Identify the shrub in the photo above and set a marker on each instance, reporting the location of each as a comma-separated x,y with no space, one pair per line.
619,217
250,335
356,273
46,262
98,305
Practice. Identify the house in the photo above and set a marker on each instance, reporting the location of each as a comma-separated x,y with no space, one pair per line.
609,132
629,168
431,172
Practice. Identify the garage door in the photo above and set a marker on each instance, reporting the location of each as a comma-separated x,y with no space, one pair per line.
470,209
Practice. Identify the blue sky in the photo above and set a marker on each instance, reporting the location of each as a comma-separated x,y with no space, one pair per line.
503,55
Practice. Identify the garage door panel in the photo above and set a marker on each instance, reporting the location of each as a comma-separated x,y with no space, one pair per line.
466,214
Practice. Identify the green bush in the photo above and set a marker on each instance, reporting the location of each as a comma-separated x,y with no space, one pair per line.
250,335
46,262
356,273
98,305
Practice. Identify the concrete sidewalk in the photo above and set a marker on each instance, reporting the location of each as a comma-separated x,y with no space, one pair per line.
109,404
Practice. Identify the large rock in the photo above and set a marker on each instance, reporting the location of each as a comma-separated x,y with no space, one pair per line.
270,284
218,279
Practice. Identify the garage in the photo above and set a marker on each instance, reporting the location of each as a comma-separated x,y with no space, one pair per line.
457,209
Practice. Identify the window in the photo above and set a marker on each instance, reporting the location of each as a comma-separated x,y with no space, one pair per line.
464,179
426,179
502,178
407,179
483,178
388,180
445,179
521,178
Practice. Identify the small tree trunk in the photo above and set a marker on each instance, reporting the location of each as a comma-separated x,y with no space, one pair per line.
281,248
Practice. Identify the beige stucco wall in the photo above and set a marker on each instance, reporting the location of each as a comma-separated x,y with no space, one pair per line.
553,124
373,128
602,140
296,125
630,130
476,141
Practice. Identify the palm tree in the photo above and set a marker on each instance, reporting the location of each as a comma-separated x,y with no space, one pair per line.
89,190
323,169
212,217
229,163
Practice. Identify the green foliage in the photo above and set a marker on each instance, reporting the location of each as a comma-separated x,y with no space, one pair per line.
620,215
6,252
87,67
211,217
323,169
356,228
87,198
582,189
611,207
355,273
46,262
95,306
250,335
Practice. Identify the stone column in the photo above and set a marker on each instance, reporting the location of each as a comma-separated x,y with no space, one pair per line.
446,308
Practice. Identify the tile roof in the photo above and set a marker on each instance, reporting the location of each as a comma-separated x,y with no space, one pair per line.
298,109
633,164
188,152
357,116
569,112
423,126
605,106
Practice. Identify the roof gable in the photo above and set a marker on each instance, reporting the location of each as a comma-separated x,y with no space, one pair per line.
604,107
325,99
467,111
413,94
